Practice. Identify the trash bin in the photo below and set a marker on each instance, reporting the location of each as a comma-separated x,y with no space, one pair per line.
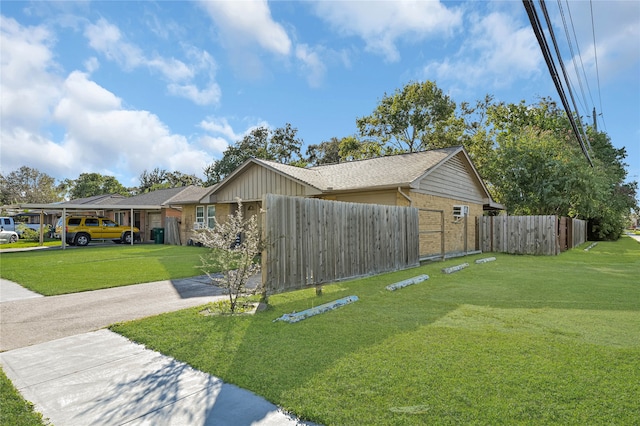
158,235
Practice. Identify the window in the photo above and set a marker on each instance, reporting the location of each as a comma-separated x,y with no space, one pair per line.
211,215
204,217
200,215
460,211
120,218
109,223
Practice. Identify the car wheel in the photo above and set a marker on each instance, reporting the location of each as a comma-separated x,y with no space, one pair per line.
13,238
127,237
82,239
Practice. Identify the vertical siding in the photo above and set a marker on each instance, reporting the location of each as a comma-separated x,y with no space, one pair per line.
257,181
453,180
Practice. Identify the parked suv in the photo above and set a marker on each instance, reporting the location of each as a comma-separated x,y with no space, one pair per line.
80,230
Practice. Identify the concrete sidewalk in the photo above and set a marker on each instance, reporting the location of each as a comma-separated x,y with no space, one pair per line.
75,375
101,378
10,291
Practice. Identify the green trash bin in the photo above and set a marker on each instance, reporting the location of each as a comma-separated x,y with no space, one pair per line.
158,235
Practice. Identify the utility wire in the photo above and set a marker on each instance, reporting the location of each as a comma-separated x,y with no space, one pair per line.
584,74
585,105
566,79
546,53
595,54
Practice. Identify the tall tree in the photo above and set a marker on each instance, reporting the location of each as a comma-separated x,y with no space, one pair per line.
416,118
162,179
90,184
28,185
279,145
326,152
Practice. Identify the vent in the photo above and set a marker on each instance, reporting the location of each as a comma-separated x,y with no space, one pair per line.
460,211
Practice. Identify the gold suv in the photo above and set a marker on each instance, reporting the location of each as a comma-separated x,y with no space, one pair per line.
80,230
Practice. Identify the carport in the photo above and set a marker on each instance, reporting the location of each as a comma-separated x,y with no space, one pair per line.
66,209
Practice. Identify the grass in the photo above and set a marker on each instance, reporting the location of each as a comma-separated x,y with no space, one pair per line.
14,410
28,244
523,340
52,272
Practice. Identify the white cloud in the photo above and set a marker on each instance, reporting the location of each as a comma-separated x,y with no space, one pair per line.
28,84
382,24
312,64
99,134
248,23
107,39
496,52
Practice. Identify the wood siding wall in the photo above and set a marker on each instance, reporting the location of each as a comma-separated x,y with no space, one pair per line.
453,180
540,235
312,242
255,182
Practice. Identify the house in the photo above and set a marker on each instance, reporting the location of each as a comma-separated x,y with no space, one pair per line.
148,211
443,184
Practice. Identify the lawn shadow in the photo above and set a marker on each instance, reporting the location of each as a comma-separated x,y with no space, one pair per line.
160,390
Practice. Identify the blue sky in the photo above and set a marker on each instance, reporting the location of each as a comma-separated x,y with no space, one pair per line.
119,87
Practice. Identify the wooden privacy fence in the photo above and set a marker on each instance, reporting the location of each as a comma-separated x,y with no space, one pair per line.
313,242
545,235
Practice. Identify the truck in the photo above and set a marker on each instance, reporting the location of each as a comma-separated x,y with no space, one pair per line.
9,223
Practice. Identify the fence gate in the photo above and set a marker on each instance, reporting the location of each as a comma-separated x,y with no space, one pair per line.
431,233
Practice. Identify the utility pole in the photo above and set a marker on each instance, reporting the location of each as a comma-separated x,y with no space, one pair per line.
595,122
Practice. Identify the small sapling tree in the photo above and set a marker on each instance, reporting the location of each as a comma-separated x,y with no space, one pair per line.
233,245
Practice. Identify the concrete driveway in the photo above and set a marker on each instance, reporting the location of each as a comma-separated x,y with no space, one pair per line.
76,373
41,319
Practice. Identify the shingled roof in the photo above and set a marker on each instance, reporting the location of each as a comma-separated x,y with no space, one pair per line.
389,171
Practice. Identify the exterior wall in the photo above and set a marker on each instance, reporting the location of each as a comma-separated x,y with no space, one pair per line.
187,221
386,197
188,218
256,181
454,229
454,179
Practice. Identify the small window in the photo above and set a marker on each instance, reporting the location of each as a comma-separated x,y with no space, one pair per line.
199,214
91,222
120,218
74,221
109,223
211,215
460,211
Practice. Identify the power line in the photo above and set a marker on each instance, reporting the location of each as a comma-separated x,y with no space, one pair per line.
595,54
573,55
566,77
584,74
546,53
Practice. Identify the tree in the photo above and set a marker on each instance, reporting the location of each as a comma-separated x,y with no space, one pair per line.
326,152
537,167
279,145
351,148
162,179
233,244
27,185
90,184
417,118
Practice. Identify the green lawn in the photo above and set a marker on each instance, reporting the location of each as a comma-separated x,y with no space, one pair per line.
523,340
14,410
51,272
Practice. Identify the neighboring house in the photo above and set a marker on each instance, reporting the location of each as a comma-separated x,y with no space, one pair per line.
147,211
442,183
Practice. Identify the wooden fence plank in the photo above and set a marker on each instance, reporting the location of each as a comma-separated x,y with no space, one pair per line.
313,242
